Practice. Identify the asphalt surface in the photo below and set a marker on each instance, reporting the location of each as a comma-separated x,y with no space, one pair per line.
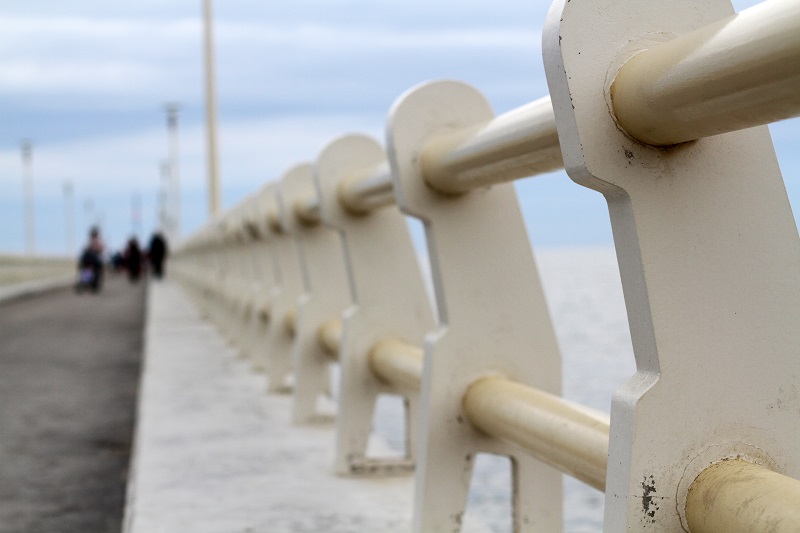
69,371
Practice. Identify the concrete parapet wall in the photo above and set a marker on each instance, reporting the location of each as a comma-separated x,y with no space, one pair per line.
21,275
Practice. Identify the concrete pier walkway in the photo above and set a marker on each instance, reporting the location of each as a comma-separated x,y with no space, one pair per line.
214,453
69,368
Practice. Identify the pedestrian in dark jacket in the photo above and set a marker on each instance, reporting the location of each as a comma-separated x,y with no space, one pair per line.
158,254
133,260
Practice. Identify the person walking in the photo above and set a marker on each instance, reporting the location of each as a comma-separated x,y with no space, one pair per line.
90,263
133,260
157,254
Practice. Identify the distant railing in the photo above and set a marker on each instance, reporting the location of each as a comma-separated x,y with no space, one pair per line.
16,269
656,106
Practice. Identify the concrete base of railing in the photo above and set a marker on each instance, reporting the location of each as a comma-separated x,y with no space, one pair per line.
212,452
26,288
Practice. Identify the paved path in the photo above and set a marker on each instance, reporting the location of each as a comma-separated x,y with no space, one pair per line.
69,368
215,454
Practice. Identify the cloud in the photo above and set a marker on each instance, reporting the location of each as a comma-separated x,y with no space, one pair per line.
257,60
81,78
88,80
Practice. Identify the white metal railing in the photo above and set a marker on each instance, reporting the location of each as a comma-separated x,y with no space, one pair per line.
319,269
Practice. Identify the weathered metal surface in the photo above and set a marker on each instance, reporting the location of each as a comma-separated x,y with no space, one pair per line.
731,74
388,295
736,495
492,313
709,259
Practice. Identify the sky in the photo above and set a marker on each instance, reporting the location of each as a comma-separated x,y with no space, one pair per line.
87,83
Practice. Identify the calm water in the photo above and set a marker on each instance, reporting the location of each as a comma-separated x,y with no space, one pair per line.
585,298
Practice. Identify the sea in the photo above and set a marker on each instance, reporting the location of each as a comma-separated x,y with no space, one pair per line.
584,294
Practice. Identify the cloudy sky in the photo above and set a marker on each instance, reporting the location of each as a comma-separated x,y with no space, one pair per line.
87,81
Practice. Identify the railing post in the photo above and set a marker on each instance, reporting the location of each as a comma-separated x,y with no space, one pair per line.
326,294
279,341
389,302
235,278
494,319
263,264
710,264
243,280
205,271
223,264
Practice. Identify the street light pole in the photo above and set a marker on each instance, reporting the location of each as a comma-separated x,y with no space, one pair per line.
27,171
164,214
211,113
174,170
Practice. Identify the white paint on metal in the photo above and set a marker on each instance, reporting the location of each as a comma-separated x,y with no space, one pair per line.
520,143
326,294
388,295
737,495
367,191
284,299
710,264
569,437
398,363
735,73
261,285
329,337
492,311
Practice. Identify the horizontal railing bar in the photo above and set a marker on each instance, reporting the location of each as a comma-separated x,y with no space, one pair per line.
517,144
290,322
739,72
736,495
329,337
274,221
264,312
566,436
308,211
369,191
727,76
360,194
398,363
570,437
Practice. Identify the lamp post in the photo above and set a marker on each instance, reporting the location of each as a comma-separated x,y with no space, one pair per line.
174,170
164,214
27,177
211,112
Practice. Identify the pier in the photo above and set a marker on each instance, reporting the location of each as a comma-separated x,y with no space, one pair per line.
286,319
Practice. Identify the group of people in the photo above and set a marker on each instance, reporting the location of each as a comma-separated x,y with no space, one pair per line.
132,259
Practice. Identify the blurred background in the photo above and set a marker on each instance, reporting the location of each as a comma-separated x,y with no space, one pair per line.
86,87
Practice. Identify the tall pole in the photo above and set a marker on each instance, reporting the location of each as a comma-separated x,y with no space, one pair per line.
164,215
211,113
27,171
69,217
174,170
